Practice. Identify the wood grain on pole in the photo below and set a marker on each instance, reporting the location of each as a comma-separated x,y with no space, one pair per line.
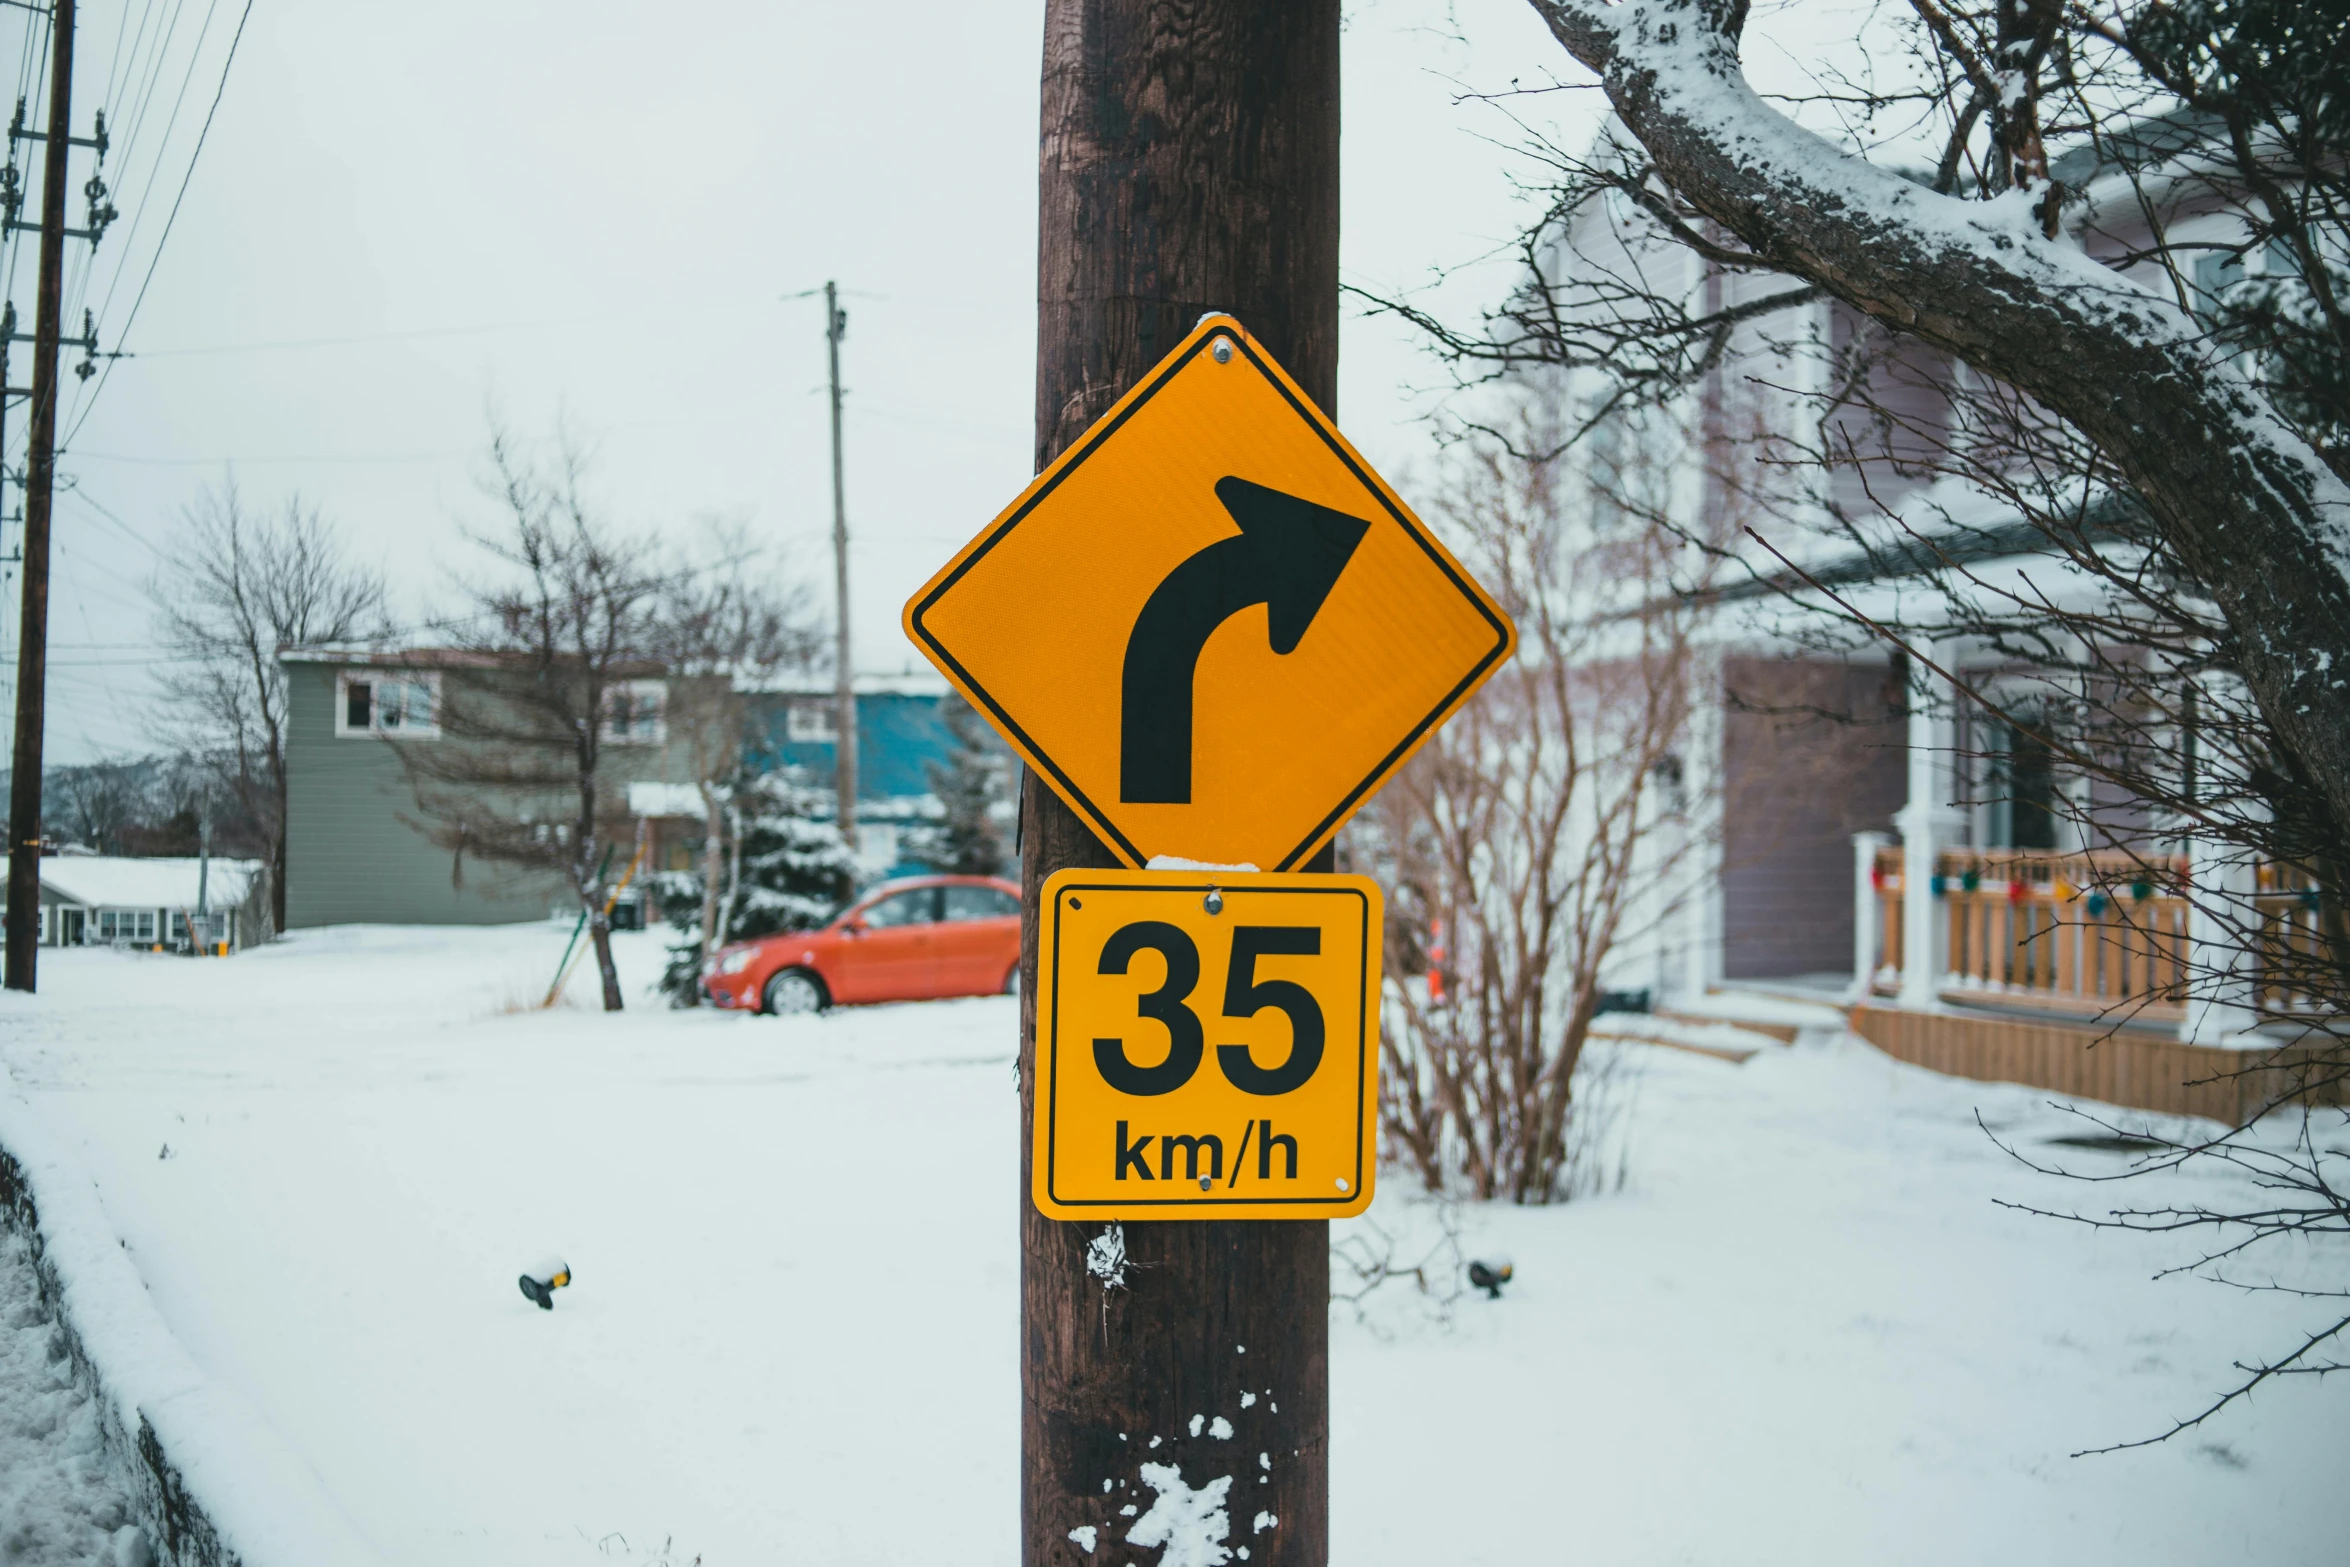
32,630
1189,164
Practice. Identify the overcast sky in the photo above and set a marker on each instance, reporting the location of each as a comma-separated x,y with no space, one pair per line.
406,217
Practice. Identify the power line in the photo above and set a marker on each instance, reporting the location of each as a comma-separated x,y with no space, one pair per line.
130,129
114,64
106,513
164,239
322,458
602,317
131,140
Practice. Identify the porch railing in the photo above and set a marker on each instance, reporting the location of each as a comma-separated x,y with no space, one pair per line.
1885,881
2291,940
2073,932
2086,933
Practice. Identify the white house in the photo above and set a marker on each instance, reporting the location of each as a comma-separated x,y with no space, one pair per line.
1946,876
91,900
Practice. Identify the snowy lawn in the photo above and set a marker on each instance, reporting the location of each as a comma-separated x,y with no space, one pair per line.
1802,1333
61,1503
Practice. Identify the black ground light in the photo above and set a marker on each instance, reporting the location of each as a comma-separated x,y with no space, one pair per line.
541,1282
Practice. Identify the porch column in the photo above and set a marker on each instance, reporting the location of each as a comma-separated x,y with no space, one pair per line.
1866,914
1927,822
2221,919
1702,916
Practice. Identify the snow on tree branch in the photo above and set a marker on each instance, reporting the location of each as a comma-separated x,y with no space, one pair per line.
2250,507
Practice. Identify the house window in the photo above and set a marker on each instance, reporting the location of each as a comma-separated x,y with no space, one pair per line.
2215,274
132,925
635,712
809,722
2023,789
210,928
407,704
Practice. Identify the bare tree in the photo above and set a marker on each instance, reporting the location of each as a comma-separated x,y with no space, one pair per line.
97,802
732,619
235,589
1541,831
540,679
2231,470
2061,356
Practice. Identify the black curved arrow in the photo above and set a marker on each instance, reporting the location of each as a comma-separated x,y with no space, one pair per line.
1288,557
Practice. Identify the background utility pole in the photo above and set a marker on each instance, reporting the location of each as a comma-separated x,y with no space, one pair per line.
844,691
1190,163
32,662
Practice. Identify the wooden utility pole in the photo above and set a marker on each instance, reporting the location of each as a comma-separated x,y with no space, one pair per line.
844,686
32,659
1189,164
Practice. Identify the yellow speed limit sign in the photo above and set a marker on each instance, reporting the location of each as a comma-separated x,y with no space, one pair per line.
1207,1045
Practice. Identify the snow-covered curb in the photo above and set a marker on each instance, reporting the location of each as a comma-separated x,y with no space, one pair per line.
215,1485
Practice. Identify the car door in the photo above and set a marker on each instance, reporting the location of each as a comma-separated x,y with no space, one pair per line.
975,922
895,958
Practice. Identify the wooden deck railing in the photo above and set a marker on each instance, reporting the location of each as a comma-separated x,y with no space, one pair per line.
2291,941
1885,877
2086,933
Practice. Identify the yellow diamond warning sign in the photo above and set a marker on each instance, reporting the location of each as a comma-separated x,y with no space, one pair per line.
1206,1045
1209,625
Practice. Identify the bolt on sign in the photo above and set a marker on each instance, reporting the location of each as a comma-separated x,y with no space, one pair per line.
1207,1045
1208,625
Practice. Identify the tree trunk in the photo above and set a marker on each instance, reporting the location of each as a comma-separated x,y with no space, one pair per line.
277,875
713,865
1190,164
734,868
2254,514
600,932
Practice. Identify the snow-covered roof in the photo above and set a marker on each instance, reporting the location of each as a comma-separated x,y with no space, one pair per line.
110,881
908,682
919,682
664,799
390,657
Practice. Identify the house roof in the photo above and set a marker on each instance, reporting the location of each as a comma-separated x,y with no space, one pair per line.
391,657
908,683
112,881
1927,550
2141,144
911,683
665,799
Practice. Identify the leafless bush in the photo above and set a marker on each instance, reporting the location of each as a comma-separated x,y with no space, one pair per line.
1549,824
1376,1257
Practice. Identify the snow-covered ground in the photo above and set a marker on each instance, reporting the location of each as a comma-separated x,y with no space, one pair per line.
1803,1332
62,1500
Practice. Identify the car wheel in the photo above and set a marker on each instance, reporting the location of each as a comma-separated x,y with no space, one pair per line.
1012,981
793,992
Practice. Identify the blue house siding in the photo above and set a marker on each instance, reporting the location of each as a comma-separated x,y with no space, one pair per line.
357,849
899,735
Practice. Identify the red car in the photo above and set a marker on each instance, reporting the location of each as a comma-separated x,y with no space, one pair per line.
903,941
